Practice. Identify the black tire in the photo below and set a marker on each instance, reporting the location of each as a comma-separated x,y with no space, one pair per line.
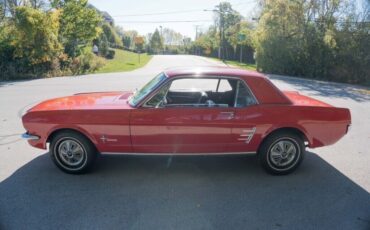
281,153
78,158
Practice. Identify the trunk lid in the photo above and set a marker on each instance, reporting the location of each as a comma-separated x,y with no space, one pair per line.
298,99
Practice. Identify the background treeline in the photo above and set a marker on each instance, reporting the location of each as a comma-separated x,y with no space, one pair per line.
161,41
44,38
52,38
324,39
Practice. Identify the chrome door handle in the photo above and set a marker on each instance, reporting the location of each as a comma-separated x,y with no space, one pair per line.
229,114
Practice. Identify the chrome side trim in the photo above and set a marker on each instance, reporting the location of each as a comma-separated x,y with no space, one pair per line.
27,136
177,154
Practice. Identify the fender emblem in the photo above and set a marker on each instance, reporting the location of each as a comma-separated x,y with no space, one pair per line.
104,139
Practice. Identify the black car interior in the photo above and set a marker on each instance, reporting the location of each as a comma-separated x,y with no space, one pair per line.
208,98
218,98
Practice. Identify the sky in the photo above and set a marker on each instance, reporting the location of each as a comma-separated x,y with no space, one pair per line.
130,14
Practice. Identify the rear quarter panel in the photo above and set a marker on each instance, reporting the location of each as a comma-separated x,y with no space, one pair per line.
321,125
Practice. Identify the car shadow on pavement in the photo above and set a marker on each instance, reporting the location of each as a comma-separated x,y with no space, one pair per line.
182,192
327,89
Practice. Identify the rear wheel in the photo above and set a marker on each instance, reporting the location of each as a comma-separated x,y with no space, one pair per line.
281,153
72,152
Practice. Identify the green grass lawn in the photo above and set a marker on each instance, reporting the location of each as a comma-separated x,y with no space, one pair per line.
247,66
124,61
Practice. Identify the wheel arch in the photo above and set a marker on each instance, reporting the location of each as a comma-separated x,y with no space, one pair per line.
293,130
53,133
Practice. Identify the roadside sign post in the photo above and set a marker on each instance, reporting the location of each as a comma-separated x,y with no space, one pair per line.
241,53
241,38
139,42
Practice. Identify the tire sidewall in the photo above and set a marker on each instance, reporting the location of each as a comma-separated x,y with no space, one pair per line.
89,152
265,151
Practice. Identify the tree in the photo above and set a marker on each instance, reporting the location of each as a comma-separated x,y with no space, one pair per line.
156,43
111,35
119,30
225,17
103,45
240,36
2,12
139,43
130,36
36,35
316,38
171,37
79,24
126,40
6,44
208,42
37,4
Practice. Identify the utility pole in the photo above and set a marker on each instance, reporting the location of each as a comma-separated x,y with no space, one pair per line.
220,52
196,31
196,37
221,49
221,29
162,40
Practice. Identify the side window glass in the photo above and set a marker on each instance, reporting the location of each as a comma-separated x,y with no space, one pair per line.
243,96
158,99
224,86
203,93
194,84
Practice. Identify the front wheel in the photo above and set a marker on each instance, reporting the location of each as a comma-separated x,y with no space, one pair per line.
281,153
72,152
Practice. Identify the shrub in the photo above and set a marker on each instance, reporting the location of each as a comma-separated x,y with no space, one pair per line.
86,62
111,53
97,63
103,45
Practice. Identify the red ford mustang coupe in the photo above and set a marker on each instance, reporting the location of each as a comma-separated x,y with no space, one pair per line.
210,110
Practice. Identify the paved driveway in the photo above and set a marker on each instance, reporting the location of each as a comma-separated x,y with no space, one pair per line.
329,191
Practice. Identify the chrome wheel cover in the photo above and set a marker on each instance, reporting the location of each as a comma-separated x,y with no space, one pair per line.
70,153
283,154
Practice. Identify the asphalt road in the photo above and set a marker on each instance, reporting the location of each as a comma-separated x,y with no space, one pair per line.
329,191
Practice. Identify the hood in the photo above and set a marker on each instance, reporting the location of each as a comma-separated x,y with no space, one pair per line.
86,101
299,99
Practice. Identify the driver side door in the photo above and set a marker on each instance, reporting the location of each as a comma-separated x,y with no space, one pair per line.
183,123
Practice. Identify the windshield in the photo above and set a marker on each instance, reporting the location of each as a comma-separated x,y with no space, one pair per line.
143,92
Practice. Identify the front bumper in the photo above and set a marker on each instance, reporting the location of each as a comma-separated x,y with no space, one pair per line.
28,137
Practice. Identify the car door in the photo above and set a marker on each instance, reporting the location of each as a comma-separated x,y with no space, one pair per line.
247,124
182,128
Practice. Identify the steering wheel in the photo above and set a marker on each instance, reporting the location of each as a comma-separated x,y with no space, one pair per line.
202,95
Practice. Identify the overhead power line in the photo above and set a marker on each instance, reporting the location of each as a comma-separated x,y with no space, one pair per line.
160,13
176,12
176,21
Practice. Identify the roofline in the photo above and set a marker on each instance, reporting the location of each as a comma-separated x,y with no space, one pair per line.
211,71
